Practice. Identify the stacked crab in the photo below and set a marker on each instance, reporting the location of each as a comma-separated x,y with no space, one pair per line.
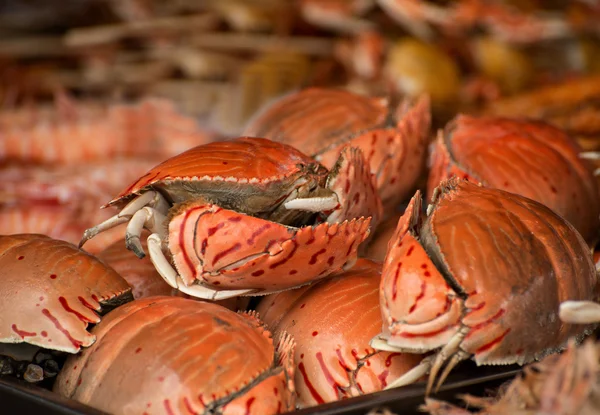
282,215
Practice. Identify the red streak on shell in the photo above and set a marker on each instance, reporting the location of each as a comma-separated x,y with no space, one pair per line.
188,406
494,342
168,408
430,334
226,252
74,342
328,376
65,304
22,333
309,385
382,378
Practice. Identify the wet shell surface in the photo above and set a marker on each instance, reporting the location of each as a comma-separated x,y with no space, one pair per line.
333,322
51,291
169,355
481,269
530,158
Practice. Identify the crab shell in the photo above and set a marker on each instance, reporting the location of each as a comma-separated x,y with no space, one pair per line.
333,357
254,163
51,291
489,261
530,158
221,362
321,122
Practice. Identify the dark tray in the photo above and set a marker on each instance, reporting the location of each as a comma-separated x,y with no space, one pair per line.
20,397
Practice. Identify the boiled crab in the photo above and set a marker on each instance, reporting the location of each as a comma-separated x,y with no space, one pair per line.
321,122
530,158
332,322
481,269
233,216
50,292
177,356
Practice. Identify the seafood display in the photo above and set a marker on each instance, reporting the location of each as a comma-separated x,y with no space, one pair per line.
264,206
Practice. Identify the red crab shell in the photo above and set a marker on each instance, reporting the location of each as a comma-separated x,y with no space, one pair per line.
321,122
257,162
51,291
333,357
529,158
222,361
489,262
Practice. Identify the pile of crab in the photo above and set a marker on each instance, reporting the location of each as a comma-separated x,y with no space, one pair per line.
291,267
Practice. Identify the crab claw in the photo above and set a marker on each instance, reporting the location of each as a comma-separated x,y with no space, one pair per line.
351,180
263,256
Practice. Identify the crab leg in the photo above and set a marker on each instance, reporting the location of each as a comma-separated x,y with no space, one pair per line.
150,198
452,347
169,274
148,218
412,375
104,226
579,312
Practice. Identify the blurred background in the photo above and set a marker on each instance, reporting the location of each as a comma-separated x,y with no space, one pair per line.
95,92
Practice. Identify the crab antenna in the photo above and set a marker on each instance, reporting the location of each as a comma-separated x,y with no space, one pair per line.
579,312
313,204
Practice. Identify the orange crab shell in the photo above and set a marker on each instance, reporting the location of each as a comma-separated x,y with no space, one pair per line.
321,122
51,291
208,244
246,160
465,265
222,360
333,357
529,158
